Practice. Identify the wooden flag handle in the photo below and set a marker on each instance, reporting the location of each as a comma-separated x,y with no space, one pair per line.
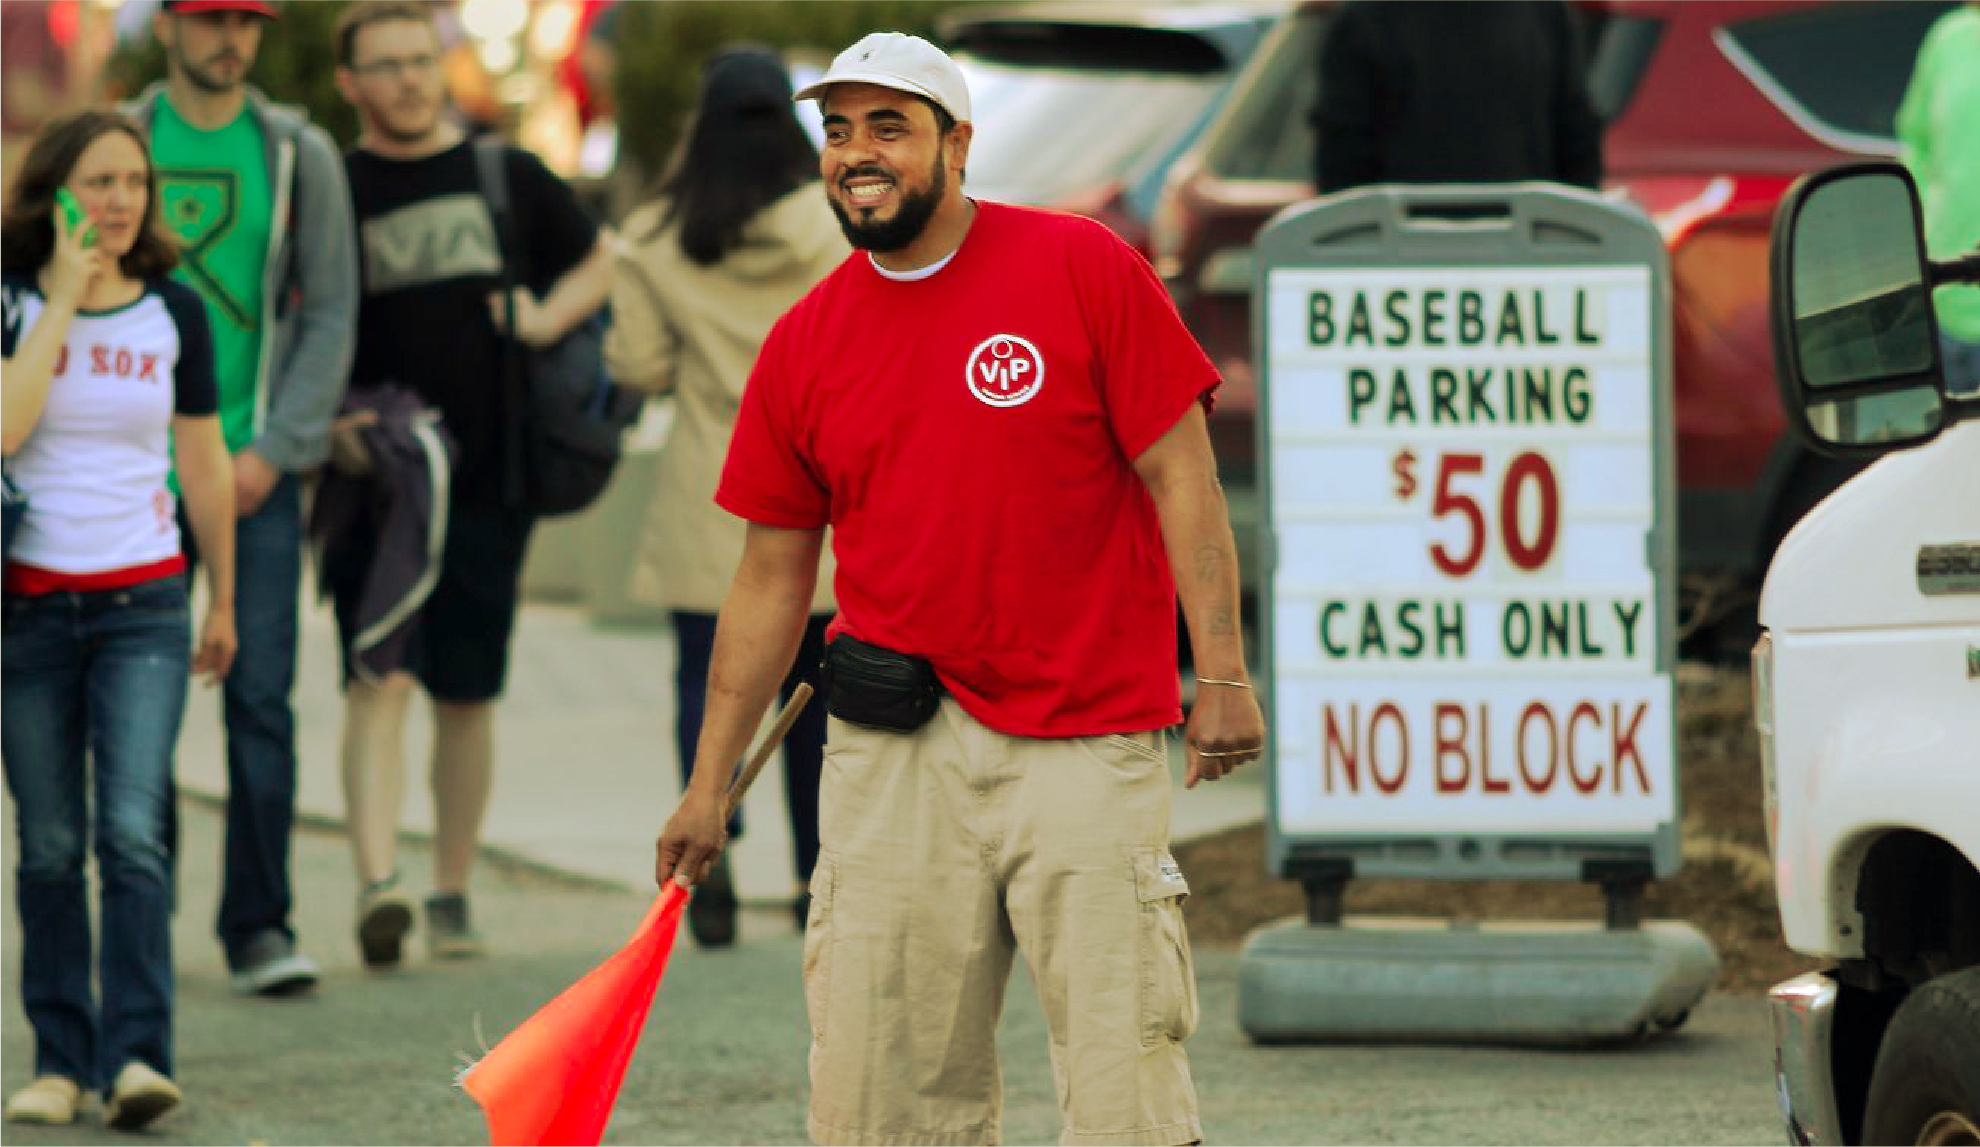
755,764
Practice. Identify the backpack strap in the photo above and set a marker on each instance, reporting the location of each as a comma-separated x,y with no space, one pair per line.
491,172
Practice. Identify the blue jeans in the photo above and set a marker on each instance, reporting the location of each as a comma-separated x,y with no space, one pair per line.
95,682
261,722
804,748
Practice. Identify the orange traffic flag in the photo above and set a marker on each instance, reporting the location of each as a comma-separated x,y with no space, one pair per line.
554,1079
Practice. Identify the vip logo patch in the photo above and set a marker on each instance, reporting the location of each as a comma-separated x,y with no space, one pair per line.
1005,370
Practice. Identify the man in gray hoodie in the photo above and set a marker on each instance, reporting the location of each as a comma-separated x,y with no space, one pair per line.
258,197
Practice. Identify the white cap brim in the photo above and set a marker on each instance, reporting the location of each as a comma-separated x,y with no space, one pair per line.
817,91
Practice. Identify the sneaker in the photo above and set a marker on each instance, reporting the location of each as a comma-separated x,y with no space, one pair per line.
711,912
449,936
270,966
385,915
50,1099
139,1097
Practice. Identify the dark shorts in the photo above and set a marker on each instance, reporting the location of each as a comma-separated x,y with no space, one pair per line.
459,644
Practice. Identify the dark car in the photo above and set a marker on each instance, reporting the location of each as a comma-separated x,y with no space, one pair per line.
1083,106
1713,107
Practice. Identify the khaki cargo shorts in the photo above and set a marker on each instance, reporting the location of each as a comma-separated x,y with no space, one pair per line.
947,851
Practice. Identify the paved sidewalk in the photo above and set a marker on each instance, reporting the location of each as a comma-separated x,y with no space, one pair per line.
585,763
586,777
370,1058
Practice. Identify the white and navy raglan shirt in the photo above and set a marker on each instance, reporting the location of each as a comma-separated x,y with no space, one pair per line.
94,469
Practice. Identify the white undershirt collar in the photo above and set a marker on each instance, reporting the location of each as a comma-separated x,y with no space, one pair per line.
914,276
920,273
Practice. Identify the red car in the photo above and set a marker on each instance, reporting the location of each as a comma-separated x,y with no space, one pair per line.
1713,107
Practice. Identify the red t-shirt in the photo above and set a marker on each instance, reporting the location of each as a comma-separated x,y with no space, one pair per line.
969,438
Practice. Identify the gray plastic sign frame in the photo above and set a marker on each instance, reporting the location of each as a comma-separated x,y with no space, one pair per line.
1540,230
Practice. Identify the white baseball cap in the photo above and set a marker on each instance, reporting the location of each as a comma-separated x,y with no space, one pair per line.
902,62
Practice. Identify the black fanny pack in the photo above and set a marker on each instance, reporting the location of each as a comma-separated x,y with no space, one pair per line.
866,684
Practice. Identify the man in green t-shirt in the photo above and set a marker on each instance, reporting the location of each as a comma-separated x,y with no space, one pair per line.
259,199
214,193
1939,124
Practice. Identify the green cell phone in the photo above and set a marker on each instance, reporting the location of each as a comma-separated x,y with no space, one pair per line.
72,211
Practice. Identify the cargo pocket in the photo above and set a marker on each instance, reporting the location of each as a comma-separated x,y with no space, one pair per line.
818,944
1168,977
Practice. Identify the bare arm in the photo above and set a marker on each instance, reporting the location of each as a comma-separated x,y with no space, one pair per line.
30,372
756,637
576,297
206,481
1226,727
581,291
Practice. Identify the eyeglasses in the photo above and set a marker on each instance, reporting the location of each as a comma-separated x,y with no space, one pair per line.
392,69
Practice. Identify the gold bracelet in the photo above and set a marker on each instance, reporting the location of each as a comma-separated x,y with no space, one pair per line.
1221,681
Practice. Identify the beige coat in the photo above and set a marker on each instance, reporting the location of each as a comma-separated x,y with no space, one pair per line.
696,330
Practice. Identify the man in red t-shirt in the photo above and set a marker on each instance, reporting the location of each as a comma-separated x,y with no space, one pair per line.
1001,417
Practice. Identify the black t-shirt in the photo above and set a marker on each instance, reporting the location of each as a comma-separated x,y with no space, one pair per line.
426,241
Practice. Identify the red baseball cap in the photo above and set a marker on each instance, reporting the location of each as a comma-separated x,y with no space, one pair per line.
194,7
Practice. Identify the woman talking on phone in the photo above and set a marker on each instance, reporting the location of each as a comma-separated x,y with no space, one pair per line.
108,382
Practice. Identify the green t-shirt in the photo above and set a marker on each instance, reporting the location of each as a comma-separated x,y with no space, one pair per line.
214,193
1939,124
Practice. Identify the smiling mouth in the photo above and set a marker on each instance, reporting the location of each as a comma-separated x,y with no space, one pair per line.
867,194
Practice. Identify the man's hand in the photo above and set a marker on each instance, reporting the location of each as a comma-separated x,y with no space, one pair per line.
532,321
1225,730
254,480
693,838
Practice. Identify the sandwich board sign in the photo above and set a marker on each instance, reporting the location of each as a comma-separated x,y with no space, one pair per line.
1466,434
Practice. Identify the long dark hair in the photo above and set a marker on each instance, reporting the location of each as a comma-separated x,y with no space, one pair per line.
27,229
743,151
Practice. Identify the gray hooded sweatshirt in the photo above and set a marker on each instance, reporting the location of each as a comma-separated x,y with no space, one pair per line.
309,284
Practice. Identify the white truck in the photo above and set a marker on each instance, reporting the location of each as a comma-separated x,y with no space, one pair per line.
1866,681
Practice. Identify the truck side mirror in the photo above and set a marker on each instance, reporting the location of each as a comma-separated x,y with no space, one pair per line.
1856,343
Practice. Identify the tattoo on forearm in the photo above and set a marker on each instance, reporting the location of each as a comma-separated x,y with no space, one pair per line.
1210,565
1213,564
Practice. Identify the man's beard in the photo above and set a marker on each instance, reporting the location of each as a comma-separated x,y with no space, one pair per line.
205,82
909,221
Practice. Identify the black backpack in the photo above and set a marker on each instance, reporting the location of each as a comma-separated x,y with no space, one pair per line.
559,457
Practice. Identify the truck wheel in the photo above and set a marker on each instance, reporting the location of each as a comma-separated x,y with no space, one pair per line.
1926,1085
